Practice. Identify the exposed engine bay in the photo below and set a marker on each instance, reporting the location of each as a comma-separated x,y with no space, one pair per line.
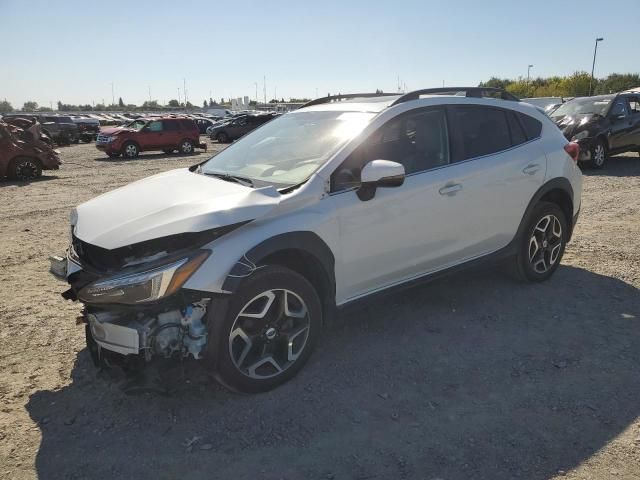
173,333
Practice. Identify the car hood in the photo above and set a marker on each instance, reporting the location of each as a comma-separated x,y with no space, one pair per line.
115,130
572,124
174,202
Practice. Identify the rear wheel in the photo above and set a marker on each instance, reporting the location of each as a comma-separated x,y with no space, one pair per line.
186,146
130,150
268,331
25,168
598,154
543,243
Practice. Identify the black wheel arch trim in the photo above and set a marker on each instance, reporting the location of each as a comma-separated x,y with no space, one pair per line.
558,183
305,241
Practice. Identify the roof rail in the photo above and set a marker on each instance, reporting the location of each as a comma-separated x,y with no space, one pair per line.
475,92
331,98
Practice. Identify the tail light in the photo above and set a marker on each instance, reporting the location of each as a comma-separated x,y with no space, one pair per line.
573,149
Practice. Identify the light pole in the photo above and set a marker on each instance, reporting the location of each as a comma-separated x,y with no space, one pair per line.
528,71
256,84
593,66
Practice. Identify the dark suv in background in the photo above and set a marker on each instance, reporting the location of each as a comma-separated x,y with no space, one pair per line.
166,134
239,126
602,125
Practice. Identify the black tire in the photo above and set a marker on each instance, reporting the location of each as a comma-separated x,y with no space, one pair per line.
529,260
222,137
130,150
168,151
598,154
221,347
25,169
113,155
186,146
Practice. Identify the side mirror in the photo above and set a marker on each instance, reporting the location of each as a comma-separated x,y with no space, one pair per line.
379,173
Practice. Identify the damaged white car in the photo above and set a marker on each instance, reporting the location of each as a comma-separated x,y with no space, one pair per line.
239,260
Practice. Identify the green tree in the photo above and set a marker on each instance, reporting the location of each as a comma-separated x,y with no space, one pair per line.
99,107
120,103
45,109
189,105
151,104
210,102
5,107
30,106
617,82
204,104
174,103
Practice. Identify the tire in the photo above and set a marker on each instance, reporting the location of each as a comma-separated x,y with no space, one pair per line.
186,146
542,244
113,155
168,151
130,150
252,354
222,137
598,154
25,169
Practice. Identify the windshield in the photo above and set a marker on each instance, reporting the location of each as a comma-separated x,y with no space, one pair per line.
583,106
137,124
287,150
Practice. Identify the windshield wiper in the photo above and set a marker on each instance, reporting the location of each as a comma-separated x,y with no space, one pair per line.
231,178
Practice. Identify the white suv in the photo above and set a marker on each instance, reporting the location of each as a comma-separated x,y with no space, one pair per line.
240,260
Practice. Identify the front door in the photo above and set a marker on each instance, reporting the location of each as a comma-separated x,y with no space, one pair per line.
622,128
152,136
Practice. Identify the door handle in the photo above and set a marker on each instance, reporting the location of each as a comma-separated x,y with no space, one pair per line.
531,169
450,189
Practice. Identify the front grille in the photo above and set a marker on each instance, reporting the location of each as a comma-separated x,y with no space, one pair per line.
102,138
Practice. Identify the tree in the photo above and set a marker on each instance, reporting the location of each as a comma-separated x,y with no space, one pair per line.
174,103
120,103
5,107
45,109
210,102
30,106
99,107
151,105
189,105
204,104
617,82
59,105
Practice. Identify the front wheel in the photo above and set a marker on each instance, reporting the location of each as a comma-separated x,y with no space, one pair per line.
222,137
598,155
25,169
130,150
542,244
268,331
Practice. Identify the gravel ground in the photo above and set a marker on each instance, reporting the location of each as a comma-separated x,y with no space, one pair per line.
473,376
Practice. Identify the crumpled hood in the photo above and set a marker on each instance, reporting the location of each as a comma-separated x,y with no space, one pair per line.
113,130
173,202
572,124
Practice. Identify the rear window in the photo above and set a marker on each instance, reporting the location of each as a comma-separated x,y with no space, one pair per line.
532,127
171,125
188,124
483,131
517,133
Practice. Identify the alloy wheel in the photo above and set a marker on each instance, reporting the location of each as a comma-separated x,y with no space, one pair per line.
599,154
269,334
131,150
186,147
26,170
545,244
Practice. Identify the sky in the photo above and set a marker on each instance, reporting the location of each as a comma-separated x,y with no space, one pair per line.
75,51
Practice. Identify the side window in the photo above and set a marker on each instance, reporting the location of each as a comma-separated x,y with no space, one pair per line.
634,104
532,127
619,109
517,133
170,125
482,130
186,125
418,140
155,126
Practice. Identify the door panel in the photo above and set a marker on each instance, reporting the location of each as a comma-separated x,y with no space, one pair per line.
622,130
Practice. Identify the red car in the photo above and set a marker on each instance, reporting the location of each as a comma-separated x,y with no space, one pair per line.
167,134
21,157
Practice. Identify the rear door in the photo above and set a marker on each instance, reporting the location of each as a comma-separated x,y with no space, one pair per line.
633,103
171,133
498,167
622,125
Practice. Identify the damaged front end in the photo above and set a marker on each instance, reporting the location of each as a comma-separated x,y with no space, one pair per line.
135,308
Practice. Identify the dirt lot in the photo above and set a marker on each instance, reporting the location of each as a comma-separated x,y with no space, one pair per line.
474,376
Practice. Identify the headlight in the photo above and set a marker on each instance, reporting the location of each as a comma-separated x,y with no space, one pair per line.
580,136
145,286
111,139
